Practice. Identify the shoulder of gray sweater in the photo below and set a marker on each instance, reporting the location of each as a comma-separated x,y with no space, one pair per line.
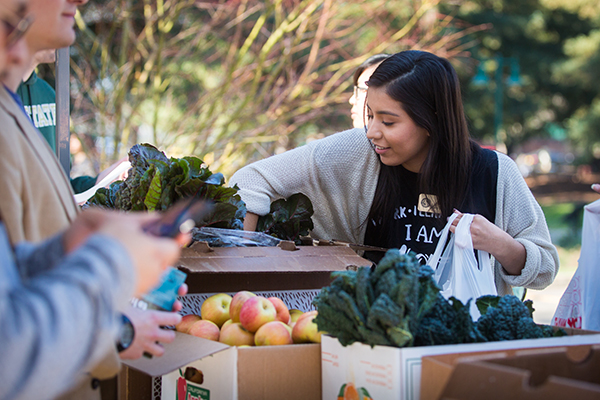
351,144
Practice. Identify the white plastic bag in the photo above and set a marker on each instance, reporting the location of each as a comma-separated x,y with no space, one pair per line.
457,271
579,306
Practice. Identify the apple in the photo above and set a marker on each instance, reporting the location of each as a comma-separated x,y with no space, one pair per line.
226,324
205,329
305,330
273,333
186,322
216,308
256,312
283,314
237,302
234,334
307,314
295,314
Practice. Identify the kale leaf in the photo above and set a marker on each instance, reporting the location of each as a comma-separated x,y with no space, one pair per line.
288,219
155,182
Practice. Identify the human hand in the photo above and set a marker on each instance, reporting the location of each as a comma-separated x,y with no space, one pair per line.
488,237
596,187
183,289
86,223
151,255
148,332
483,232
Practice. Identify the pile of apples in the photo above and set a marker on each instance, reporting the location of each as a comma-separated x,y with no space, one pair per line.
250,320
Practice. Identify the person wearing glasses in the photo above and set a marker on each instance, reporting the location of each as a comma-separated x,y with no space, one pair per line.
60,298
360,78
36,199
395,184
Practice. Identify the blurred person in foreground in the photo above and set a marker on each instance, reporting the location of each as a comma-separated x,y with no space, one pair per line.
59,299
359,96
36,200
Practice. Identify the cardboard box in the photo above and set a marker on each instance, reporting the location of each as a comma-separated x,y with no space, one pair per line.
294,274
395,373
559,373
270,372
437,369
286,267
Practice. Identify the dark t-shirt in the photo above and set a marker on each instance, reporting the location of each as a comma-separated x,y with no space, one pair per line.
418,231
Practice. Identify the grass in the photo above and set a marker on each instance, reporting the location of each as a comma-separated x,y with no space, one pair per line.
564,222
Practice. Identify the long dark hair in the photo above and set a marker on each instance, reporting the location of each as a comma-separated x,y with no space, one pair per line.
427,88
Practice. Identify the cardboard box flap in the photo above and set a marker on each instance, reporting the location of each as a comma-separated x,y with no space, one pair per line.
560,373
183,350
270,259
437,369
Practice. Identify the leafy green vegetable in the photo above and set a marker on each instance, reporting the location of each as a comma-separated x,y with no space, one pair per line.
288,219
380,307
156,182
508,318
399,304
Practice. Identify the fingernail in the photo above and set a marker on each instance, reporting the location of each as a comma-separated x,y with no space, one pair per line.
595,186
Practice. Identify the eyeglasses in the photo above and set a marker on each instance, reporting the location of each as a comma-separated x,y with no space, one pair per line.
359,89
16,26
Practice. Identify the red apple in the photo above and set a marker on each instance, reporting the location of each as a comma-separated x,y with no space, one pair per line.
234,334
307,314
205,329
186,322
273,333
216,308
283,314
256,312
305,330
236,304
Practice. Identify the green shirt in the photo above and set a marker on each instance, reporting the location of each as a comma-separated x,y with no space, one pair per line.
39,99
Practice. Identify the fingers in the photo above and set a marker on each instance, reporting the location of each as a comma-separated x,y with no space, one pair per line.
596,187
177,306
455,222
183,289
155,349
183,239
165,318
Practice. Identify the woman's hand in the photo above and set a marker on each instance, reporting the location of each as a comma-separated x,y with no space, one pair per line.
488,237
151,255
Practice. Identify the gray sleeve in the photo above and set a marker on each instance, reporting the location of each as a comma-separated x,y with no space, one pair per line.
60,321
520,215
33,259
276,177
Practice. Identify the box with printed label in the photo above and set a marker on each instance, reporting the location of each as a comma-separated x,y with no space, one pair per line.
384,372
294,274
195,368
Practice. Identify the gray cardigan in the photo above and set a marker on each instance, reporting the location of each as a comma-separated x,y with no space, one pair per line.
58,314
339,174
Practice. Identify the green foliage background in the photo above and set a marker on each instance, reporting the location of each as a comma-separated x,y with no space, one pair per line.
231,81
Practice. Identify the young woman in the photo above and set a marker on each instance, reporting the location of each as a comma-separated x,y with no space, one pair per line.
395,186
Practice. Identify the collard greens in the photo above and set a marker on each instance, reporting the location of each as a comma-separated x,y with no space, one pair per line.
156,182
